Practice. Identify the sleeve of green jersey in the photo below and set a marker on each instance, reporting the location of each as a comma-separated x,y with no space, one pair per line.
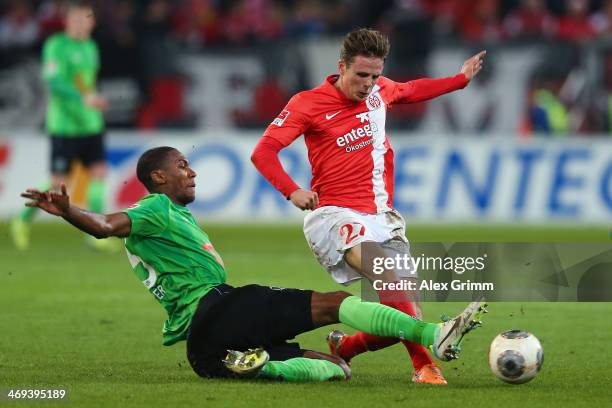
150,215
54,71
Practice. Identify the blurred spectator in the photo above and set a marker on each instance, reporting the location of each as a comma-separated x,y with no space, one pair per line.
479,21
306,19
339,16
234,25
196,22
409,28
244,22
547,113
157,51
266,19
51,17
444,14
602,20
161,82
531,20
141,41
116,37
18,27
603,96
368,13
575,24
118,23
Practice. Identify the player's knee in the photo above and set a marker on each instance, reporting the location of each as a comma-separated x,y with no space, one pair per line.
326,306
340,295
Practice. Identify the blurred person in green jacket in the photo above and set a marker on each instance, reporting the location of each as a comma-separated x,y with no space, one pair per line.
74,119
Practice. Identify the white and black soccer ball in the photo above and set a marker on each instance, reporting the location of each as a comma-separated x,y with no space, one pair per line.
516,356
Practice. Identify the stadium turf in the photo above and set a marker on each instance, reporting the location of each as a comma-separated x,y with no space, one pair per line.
81,320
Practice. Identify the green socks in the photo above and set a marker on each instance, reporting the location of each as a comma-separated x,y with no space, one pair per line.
27,214
381,320
302,369
95,196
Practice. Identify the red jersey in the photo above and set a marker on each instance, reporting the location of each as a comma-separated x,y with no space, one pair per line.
348,148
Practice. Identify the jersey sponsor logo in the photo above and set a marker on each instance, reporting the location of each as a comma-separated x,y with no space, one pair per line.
328,116
367,130
358,146
373,102
356,134
280,119
363,117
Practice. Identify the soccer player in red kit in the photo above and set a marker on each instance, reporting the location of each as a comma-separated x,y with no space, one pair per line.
351,194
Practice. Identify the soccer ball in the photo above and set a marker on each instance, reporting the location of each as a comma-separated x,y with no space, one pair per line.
516,356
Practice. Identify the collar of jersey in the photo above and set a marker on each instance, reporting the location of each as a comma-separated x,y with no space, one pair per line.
330,81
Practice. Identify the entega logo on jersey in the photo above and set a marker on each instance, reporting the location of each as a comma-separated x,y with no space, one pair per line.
357,133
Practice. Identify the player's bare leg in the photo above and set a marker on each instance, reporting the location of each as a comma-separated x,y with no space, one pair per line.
95,189
425,370
95,202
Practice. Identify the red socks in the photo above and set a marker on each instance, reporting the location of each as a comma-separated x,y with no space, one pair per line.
361,342
418,353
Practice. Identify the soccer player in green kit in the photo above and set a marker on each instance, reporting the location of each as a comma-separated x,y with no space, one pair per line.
74,113
178,264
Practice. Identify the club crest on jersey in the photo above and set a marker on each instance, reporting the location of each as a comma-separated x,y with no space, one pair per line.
280,119
373,102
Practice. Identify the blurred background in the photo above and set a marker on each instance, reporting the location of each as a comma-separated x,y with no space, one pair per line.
527,142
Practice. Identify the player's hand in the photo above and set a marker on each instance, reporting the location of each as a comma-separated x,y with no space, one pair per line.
472,66
96,101
304,199
50,201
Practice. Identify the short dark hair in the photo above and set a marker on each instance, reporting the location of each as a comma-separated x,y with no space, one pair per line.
80,4
365,42
149,161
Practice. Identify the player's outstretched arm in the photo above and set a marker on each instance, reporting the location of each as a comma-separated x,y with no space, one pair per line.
423,89
98,225
472,66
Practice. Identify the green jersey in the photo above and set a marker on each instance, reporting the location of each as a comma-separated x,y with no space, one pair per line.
70,68
173,258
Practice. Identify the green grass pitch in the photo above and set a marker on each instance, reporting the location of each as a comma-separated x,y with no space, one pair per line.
80,320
